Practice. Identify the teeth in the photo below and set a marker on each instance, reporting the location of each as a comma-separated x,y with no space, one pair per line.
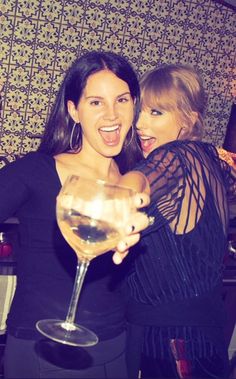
109,128
145,137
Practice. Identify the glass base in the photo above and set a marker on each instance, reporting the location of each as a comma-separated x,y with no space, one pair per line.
67,333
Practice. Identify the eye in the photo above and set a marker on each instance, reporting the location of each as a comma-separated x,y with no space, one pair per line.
155,112
124,99
95,102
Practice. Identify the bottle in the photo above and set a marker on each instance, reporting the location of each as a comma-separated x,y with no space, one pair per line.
5,246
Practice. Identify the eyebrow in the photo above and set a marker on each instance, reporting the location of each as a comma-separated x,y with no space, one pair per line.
100,97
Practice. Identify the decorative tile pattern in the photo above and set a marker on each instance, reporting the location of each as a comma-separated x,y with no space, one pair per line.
40,38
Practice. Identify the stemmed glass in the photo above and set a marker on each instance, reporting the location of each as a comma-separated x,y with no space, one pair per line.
91,215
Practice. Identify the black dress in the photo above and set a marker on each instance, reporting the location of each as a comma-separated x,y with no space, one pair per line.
175,285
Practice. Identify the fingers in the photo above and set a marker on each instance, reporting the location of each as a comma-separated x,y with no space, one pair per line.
123,246
138,222
119,257
141,200
128,242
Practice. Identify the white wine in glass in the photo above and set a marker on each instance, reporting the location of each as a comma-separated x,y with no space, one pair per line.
91,215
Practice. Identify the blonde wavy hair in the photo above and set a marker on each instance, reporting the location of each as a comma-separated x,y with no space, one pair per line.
177,88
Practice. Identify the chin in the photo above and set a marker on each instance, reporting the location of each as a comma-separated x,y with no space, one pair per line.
146,153
113,151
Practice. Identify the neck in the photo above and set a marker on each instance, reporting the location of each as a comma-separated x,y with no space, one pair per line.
93,167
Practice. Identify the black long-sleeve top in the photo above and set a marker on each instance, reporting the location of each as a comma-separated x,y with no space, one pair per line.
175,284
46,264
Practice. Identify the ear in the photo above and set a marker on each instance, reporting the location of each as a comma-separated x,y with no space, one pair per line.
73,112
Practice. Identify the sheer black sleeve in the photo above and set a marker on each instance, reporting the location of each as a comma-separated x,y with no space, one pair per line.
181,175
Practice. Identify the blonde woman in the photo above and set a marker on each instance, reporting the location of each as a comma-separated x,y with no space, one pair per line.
176,312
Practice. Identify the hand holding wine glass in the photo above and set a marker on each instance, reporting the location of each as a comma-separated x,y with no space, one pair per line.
92,216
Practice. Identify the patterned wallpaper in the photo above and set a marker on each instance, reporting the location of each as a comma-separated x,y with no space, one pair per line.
40,38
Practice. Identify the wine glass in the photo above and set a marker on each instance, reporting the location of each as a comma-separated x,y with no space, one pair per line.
91,215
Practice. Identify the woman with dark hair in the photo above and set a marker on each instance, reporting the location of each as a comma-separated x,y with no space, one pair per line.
90,122
176,311
61,130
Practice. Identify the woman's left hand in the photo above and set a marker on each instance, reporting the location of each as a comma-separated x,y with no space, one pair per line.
138,222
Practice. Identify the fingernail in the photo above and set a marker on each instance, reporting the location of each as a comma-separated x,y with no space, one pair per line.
130,229
122,246
117,259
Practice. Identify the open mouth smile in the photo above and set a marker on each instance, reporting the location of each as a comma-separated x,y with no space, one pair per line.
110,134
147,143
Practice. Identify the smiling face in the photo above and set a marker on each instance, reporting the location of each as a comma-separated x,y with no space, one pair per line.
173,99
105,113
156,127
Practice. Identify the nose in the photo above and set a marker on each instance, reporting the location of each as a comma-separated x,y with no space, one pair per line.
110,112
141,121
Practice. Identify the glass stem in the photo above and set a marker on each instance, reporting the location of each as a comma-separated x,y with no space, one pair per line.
81,270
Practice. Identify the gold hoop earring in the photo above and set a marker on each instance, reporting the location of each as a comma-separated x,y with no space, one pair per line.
132,136
75,137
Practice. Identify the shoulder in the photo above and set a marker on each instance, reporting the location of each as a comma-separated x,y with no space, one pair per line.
185,150
34,156
175,157
29,163
163,157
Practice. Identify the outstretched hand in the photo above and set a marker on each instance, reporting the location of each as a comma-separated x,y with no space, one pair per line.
138,222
